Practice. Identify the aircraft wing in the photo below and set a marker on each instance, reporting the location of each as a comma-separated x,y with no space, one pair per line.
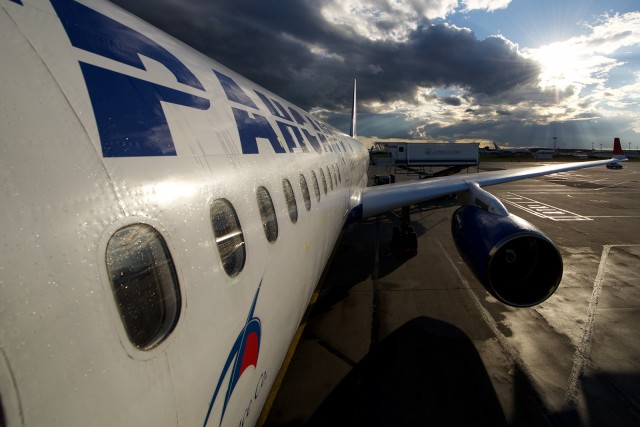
379,199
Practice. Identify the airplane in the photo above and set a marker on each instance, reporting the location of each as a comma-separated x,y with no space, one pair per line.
165,222
499,150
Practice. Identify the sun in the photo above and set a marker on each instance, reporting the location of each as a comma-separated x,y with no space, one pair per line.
562,65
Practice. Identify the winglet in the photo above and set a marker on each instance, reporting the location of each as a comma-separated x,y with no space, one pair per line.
354,113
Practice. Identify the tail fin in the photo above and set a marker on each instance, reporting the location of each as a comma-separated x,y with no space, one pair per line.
354,112
618,155
617,149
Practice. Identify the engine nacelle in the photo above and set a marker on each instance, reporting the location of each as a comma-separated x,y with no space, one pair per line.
515,261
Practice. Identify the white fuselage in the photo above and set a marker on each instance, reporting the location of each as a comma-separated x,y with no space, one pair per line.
66,358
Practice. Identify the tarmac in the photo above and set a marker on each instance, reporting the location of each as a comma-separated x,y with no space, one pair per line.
418,341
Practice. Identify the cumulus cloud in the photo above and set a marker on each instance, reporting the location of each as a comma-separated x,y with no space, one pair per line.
578,70
384,19
587,59
488,5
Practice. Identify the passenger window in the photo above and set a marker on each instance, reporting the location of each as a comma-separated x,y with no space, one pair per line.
324,181
229,237
268,214
339,175
335,176
330,178
144,284
316,187
305,192
290,197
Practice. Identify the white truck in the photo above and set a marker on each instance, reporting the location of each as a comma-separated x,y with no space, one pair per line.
425,154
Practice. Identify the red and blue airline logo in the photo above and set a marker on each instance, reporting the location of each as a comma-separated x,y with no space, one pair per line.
244,354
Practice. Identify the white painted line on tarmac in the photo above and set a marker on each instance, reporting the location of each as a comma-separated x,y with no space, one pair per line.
483,311
614,216
583,351
511,351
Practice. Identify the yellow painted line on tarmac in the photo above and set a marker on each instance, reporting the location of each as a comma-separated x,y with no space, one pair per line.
286,362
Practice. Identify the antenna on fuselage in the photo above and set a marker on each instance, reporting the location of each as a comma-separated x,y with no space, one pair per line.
354,112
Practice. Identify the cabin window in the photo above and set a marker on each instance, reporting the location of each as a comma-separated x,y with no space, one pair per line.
335,176
316,187
144,284
268,214
290,198
339,175
305,192
324,182
229,237
330,178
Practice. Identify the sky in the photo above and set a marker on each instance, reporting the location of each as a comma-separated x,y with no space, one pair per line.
514,72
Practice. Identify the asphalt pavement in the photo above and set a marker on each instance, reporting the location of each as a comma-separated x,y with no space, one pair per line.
398,341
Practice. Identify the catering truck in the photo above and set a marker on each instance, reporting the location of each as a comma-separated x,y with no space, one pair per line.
425,154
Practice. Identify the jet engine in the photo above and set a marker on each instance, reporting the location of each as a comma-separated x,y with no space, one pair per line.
515,261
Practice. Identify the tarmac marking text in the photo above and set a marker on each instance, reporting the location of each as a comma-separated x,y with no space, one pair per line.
542,209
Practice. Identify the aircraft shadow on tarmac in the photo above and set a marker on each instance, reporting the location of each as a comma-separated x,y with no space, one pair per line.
429,373
426,372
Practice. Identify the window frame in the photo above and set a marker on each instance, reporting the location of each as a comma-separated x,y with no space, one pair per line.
171,312
235,233
324,181
269,225
290,200
316,186
304,188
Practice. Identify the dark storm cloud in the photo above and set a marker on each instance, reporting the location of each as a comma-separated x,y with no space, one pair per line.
452,100
288,47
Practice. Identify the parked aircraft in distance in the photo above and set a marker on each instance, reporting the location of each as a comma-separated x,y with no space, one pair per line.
512,151
165,222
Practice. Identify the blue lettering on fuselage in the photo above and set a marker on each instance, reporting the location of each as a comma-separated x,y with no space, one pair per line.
233,91
296,116
274,107
252,128
129,115
129,112
94,32
287,130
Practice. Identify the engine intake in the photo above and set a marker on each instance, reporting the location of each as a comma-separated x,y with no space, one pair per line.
515,261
